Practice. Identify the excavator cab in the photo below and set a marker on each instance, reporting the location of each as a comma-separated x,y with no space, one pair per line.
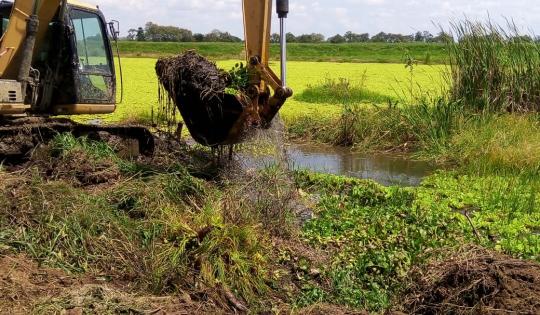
71,67
92,60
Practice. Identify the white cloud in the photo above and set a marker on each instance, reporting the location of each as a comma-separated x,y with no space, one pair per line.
323,16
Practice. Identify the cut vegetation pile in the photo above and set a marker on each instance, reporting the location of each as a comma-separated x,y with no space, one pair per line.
477,281
197,88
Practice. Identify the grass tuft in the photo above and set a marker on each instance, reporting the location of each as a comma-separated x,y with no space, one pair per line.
337,91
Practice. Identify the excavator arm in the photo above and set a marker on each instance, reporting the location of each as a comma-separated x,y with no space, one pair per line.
257,24
266,91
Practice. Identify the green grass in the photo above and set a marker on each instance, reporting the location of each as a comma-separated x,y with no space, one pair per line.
498,142
169,232
340,91
158,227
360,52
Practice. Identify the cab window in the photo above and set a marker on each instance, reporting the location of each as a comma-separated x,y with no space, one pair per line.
94,78
90,41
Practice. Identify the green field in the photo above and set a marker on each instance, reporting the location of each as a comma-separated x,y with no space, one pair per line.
358,52
390,80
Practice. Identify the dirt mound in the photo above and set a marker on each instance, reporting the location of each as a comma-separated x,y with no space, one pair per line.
196,87
476,281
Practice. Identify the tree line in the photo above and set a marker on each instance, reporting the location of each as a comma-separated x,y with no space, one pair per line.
157,33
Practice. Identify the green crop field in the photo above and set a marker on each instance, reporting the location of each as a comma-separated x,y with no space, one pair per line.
392,81
358,52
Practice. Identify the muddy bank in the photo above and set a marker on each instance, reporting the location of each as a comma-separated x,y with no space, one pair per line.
476,281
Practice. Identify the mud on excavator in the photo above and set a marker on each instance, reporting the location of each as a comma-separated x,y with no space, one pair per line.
56,59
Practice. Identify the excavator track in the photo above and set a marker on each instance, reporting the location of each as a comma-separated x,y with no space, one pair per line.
19,136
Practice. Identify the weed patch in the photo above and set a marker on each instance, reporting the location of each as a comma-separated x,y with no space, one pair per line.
337,91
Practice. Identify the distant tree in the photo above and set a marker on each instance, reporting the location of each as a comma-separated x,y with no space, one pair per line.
219,36
198,37
158,33
213,36
443,37
337,39
275,38
310,38
132,33
428,37
407,38
419,37
383,37
291,38
141,36
351,37
380,37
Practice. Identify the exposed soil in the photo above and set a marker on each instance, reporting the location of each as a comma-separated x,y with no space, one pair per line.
197,88
20,136
76,167
476,281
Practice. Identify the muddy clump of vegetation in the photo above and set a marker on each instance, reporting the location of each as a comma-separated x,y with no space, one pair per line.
476,281
197,88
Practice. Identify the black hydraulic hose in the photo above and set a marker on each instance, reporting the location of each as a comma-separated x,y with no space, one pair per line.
32,27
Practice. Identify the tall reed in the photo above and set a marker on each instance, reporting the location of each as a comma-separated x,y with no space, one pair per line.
493,68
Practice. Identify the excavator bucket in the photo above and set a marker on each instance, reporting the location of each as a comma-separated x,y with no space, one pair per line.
217,110
213,113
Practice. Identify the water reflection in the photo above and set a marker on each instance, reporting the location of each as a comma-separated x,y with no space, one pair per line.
387,170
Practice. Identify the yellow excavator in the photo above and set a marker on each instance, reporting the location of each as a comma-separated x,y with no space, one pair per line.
56,59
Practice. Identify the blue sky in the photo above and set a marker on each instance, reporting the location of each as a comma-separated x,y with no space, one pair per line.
324,16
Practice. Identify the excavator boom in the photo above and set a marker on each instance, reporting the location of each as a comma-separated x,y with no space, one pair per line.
13,39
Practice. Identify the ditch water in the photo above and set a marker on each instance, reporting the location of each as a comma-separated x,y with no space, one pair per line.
386,169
